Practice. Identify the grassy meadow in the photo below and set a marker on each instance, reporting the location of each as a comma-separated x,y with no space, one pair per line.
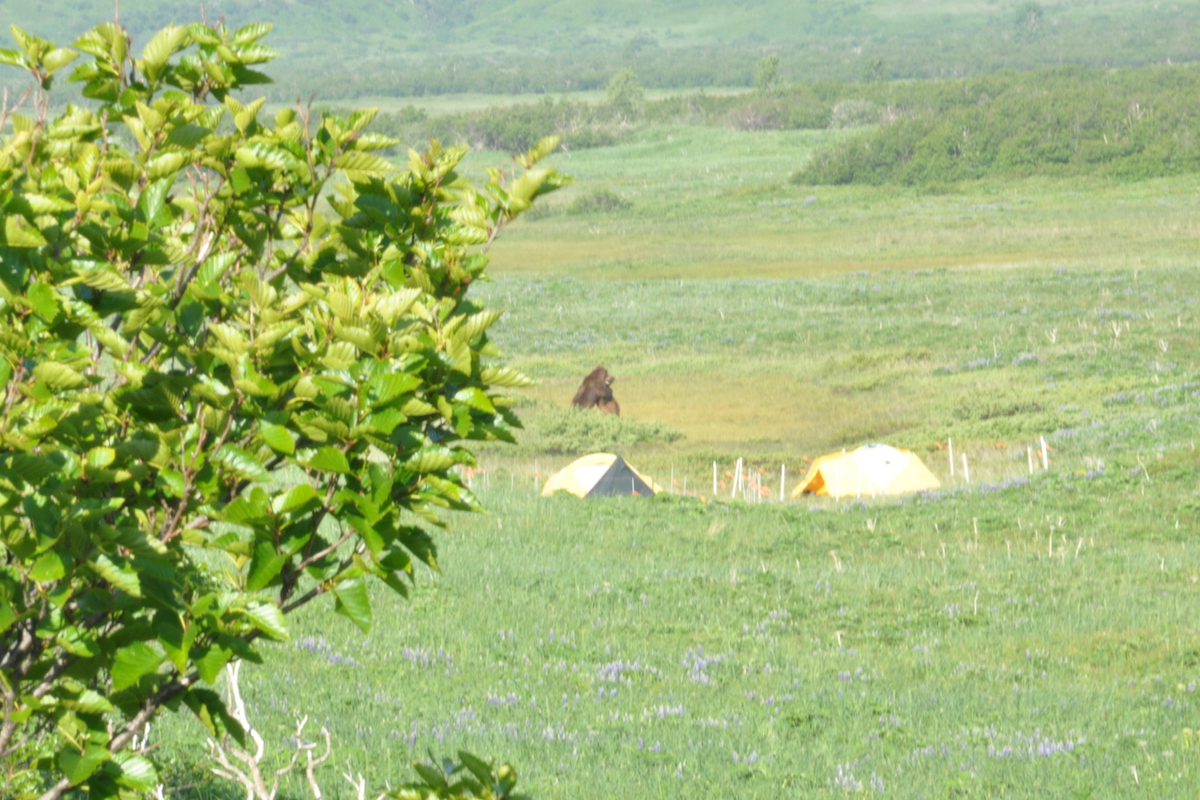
1026,634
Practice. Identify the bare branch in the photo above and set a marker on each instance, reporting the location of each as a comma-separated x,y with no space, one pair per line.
313,764
251,776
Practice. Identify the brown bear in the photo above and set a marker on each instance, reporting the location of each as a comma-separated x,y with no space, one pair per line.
596,392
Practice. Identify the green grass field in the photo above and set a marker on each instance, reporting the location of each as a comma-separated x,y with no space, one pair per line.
1024,635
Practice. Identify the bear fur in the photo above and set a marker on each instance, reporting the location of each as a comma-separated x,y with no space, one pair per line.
596,392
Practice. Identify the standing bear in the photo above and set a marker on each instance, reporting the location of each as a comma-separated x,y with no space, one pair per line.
596,392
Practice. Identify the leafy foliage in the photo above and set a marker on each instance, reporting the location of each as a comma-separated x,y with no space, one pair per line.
600,200
220,402
625,94
518,127
470,779
766,77
1130,125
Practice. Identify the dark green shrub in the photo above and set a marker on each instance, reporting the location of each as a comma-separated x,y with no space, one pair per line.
599,201
575,431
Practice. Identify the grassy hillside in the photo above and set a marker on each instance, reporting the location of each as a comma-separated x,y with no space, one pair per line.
375,48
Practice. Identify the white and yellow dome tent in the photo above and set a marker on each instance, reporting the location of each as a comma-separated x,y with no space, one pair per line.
600,474
869,471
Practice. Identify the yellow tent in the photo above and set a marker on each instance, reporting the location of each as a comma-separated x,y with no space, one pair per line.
872,470
600,474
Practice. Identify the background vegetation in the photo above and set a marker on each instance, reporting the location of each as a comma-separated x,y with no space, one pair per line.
370,48
1130,124
803,263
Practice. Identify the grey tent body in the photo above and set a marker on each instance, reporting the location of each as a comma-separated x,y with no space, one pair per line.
620,480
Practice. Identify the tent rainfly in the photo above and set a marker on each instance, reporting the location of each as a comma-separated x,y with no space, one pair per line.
600,474
872,470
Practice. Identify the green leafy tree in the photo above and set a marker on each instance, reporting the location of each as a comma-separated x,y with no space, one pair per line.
220,402
625,94
874,69
1028,20
766,78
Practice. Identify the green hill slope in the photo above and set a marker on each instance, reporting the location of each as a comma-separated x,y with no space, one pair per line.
353,48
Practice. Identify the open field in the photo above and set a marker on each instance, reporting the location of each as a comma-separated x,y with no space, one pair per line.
786,368
1030,640
712,202
1026,635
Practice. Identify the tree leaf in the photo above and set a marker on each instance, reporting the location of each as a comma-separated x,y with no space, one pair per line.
58,58
215,267
51,566
277,437
91,702
297,496
210,710
7,615
44,301
432,459
101,457
389,385
364,164
160,49
152,200
78,766
120,576
211,661
238,461
59,376
329,459
231,337
269,619
506,377
264,566
132,662
165,165
136,772
13,59
352,603
251,33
